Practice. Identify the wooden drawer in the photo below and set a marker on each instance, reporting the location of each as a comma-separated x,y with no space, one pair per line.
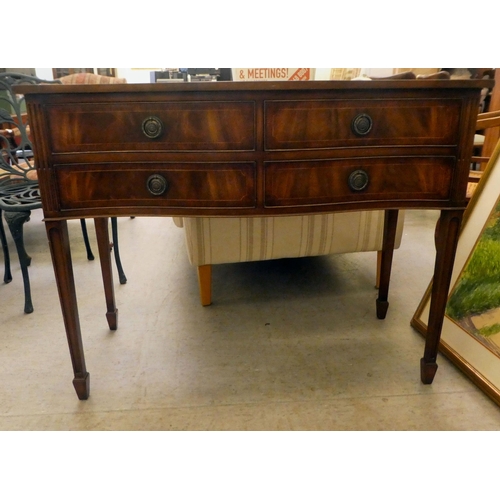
128,184
184,126
332,123
323,182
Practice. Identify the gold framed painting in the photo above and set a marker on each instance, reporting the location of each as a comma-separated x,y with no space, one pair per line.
470,336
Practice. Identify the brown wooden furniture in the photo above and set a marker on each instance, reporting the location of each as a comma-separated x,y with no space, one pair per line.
244,149
485,122
492,134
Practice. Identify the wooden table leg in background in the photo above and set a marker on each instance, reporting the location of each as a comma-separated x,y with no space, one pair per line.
102,233
57,232
447,231
390,227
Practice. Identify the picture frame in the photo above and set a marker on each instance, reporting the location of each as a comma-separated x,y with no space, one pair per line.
470,336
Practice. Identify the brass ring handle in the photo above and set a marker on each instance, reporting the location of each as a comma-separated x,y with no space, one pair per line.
358,180
152,127
156,184
362,124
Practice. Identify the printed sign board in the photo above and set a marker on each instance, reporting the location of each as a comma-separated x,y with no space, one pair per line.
270,74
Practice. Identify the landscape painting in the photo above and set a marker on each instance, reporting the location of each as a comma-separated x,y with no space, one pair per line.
474,303
470,337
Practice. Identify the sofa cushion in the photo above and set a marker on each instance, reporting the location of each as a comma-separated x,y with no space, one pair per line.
212,240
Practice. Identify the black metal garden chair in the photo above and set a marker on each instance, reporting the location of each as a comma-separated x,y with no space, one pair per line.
19,191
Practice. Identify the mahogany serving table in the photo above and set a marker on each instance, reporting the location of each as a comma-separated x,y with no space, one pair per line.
246,149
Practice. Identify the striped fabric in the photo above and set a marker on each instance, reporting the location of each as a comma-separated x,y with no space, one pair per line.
212,240
89,78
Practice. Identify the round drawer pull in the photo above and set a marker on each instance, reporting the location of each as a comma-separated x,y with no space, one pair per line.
358,180
156,184
152,127
362,124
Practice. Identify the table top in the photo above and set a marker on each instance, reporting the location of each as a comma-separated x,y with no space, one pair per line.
244,86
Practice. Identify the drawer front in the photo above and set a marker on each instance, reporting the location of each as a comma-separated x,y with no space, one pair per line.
180,126
376,122
129,184
323,182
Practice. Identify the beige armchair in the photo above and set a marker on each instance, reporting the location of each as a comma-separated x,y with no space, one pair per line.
212,240
225,240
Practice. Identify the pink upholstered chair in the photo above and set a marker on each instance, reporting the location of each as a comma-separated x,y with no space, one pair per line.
89,78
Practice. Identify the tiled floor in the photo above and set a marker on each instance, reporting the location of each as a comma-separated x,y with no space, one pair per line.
286,345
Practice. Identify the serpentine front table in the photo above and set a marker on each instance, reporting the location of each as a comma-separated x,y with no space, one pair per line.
246,149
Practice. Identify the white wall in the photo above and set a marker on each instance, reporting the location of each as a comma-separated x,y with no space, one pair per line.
132,75
44,73
322,74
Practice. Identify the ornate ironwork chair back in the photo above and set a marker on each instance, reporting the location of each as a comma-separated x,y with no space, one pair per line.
19,190
18,182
